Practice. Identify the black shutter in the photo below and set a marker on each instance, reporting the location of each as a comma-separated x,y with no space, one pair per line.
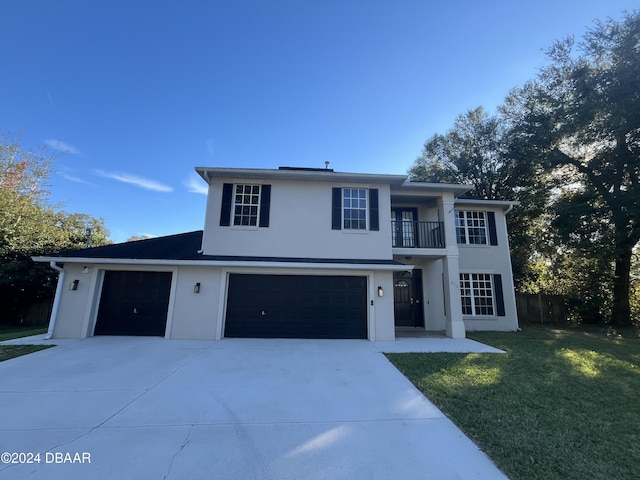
225,210
493,235
336,208
497,285
374,217
265,204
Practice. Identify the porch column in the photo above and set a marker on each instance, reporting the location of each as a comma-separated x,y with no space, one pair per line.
451,270
454,323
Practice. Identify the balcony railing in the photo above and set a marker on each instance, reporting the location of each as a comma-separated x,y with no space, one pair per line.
410,234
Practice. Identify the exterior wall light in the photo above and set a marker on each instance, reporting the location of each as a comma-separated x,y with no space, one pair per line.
74,285
196,288
380,292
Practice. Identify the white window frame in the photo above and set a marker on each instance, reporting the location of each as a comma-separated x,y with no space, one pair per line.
480,290
471,224
357,208
238,218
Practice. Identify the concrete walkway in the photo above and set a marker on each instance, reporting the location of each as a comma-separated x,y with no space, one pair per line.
149,408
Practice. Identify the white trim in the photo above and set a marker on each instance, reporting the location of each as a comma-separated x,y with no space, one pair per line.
56,299
234,205
224,263
173,288
222,303
477,203
494,305
366,209
91,312
255,174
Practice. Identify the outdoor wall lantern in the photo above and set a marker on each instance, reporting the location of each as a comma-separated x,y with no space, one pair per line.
74,285
196,288
380,292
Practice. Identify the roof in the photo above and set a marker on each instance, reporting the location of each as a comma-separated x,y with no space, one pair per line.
184,249
172,247
297,173
422,187
478,202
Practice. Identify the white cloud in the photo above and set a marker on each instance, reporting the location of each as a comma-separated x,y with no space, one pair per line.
195,184
73,178
135,180
62,147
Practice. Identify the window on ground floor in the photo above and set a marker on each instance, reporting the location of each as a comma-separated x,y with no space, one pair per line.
476,291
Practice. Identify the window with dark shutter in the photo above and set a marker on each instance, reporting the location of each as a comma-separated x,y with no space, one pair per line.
374,216
336,208
245,205
265,205
355,209
227,200
497,285
493,234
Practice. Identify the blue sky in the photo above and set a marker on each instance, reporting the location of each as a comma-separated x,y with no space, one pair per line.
138,93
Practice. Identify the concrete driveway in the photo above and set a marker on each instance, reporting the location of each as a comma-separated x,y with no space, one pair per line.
149,408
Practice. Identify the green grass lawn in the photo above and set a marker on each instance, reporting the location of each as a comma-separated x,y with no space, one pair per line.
12,351
562,403
9,332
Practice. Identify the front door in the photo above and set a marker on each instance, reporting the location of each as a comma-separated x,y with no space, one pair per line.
407,296
403,225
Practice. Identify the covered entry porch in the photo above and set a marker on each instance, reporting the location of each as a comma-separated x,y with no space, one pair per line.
427,298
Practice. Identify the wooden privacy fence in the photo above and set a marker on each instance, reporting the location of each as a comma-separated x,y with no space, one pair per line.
36,313
540,308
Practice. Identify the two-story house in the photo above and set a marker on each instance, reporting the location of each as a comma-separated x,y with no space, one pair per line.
301,253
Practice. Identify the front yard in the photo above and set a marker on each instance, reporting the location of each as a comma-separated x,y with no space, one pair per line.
11,351
562,403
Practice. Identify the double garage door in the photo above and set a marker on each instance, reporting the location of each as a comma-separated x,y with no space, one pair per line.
258,306
296,306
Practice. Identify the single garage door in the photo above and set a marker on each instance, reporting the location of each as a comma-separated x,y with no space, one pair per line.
296,306
134,303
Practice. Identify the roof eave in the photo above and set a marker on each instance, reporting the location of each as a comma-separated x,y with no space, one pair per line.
425,187
209,173
504,204
224,263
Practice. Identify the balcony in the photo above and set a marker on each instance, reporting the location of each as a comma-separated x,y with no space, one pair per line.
410,234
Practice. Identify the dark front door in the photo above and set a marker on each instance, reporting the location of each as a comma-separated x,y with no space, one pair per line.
407,297
296,306
403,225
134,303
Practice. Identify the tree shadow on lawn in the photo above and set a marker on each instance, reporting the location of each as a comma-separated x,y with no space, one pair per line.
558,404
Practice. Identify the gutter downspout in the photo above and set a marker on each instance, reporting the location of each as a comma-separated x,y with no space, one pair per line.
56,299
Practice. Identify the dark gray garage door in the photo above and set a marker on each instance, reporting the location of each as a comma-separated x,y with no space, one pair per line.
296,306
134,303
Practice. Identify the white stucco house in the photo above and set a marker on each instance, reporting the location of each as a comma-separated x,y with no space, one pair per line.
301,252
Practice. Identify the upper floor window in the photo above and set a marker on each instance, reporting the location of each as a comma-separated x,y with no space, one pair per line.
471,227
246,203
354,208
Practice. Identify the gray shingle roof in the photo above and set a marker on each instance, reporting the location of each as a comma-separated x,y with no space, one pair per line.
185,246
